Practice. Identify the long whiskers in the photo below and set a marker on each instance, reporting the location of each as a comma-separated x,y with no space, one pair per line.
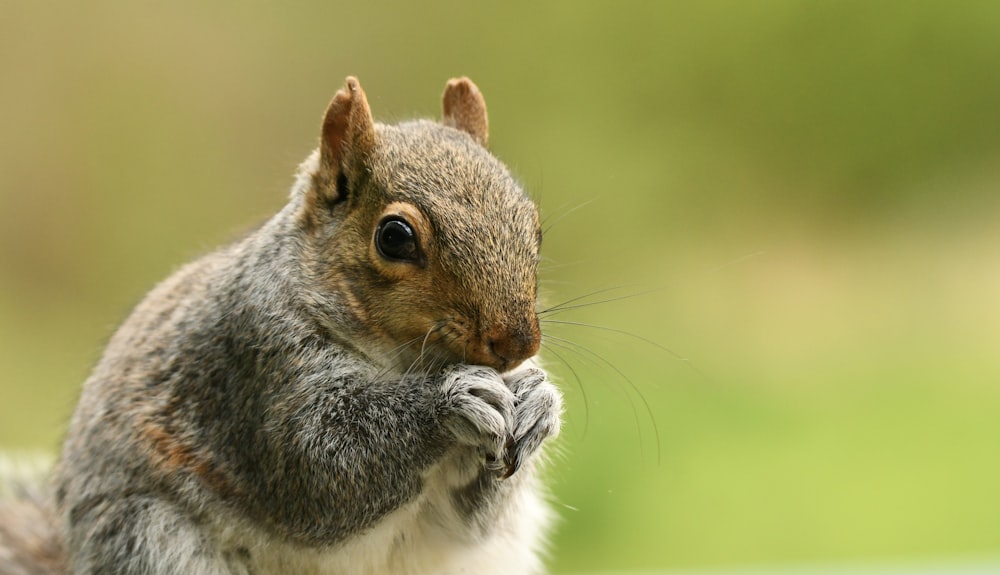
551,220
587,353
394,354
686,361
400,349
419,360
579,384
565,306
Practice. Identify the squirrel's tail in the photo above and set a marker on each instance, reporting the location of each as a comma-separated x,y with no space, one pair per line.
30,540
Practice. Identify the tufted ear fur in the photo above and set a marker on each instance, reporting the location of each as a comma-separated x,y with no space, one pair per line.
464,108
348,136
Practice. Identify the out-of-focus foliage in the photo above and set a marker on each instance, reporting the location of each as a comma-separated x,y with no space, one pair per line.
802,194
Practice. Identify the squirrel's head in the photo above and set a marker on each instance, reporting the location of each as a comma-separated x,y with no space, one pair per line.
422,246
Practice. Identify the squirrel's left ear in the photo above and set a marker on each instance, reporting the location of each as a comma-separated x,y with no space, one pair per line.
348,137
464,108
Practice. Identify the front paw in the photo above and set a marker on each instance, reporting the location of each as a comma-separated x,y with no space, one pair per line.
478,409
537,412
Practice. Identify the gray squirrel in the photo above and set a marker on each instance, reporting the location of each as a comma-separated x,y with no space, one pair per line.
349,389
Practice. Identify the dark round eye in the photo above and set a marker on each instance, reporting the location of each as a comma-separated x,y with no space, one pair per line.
395,240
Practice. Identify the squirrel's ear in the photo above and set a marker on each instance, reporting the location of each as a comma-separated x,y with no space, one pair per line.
348,137
464,108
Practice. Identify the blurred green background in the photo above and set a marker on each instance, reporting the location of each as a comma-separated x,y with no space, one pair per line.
801,196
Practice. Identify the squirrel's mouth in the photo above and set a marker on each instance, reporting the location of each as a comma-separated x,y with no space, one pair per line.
498,346
452,341
504,349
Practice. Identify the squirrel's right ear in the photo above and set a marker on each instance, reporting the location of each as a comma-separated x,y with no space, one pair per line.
463,107
348,137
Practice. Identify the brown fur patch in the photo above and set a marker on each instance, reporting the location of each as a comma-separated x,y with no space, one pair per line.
172,455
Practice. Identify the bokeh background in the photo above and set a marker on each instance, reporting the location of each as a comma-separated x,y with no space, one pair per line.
793,207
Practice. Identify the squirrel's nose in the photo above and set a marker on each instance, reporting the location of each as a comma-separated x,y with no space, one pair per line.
514,345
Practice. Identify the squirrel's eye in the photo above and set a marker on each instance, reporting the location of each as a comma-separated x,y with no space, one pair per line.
395,240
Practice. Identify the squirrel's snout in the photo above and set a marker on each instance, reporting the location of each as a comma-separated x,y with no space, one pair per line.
512,346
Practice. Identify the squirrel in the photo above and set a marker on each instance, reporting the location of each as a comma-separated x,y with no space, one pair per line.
351,388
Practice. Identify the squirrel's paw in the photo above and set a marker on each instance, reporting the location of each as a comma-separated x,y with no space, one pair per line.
537,411
478,409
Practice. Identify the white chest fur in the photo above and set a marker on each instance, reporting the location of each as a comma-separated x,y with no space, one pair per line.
424,537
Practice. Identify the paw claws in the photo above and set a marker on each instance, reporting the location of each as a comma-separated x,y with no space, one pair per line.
508,417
